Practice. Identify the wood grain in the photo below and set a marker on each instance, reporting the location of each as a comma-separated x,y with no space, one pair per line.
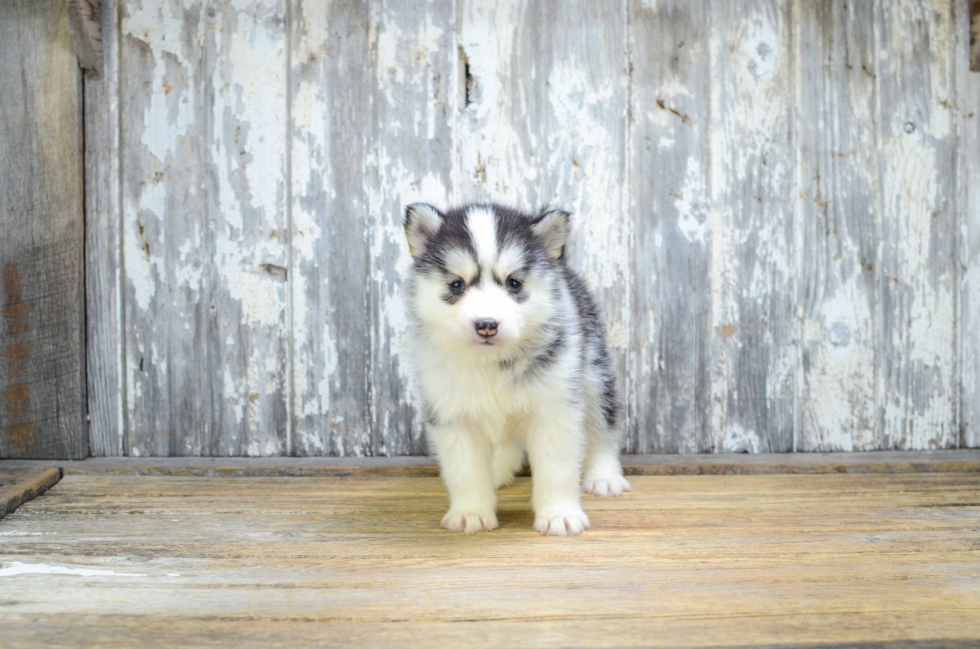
85,23
753,247
917,394
331,180
103,261
42,354
968,197
205,232
246,114
827,560
955,461
670,361
19,487
839,226
171,386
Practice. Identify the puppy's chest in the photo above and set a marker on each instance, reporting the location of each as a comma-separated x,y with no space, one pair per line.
476,392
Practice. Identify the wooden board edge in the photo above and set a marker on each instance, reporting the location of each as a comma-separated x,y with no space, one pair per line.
805,469
27,488
953,461
432,471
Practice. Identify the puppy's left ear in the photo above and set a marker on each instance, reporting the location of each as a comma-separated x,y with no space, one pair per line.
552,228
421,222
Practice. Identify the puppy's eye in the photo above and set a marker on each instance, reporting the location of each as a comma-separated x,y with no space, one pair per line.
514,285
457,286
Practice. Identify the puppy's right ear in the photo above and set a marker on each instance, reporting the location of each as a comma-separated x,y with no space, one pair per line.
421,222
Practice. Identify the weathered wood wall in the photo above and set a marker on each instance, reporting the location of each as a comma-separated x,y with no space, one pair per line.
776,202
42,309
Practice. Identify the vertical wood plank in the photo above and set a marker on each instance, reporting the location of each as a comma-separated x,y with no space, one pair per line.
968,196
839,225
42,386
247,333
917,380
332,92
670,212
166,235
205,236
103,265
415,106
753,256
545,121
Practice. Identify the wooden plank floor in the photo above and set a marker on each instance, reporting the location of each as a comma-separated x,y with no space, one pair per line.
710,560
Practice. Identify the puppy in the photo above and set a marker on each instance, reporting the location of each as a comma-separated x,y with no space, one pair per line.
510,355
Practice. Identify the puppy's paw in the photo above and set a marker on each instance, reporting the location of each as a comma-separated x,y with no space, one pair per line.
567,521
469,522
605,485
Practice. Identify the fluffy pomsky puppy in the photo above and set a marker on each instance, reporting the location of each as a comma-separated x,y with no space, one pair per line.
510,355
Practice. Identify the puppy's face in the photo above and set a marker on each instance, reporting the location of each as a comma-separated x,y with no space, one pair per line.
484,276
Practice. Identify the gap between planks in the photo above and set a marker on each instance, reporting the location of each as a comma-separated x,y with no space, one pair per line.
951,461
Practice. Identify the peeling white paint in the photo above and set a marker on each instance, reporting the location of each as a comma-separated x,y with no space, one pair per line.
531,134
689,203
739,440
17,568
160,27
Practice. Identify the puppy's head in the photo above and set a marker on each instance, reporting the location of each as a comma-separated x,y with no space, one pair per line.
484,276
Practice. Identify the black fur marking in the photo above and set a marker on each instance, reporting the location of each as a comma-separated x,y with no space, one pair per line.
514,228
590,324
610,403
451,235
550,353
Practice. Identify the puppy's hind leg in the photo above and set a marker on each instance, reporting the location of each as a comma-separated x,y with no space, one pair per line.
603,471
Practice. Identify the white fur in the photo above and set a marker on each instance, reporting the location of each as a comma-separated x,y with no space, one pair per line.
486,418
481,224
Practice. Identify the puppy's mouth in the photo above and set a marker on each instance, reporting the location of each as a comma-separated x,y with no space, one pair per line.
485,343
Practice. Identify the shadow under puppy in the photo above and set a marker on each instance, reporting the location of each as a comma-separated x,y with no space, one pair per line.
510,355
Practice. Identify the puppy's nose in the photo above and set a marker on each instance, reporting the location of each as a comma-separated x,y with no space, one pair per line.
486,327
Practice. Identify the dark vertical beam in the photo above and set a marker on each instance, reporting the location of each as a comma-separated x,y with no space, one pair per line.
41,231
975,35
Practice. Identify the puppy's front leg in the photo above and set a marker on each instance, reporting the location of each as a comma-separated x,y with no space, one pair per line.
464,458
556,450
